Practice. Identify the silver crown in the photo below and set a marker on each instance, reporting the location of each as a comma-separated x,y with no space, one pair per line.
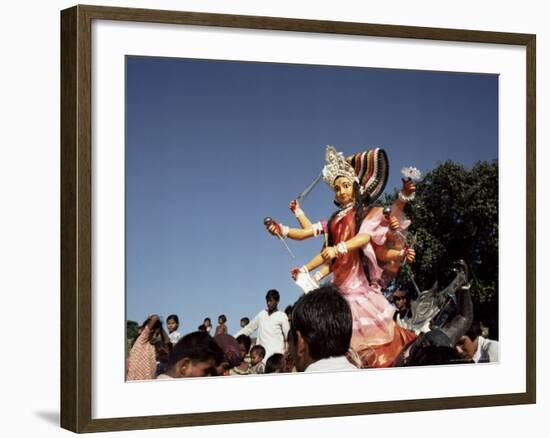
337,166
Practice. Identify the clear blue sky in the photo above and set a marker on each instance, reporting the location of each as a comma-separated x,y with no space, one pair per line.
212,147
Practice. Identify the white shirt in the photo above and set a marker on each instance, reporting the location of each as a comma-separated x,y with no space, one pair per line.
487,350
272,331
174,337
339,363
164,377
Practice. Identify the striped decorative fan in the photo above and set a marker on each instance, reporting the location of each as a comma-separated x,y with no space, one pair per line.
372,169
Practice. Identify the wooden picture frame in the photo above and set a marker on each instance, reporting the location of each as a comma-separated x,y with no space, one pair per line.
76,217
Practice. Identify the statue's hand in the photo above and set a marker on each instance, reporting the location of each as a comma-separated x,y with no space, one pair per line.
273,227
294,273
408,187
329,253
294,204
394,223
410,255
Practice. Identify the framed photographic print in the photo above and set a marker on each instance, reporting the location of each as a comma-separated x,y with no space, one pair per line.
185,139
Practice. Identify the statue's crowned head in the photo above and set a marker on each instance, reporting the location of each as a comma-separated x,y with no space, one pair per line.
368,169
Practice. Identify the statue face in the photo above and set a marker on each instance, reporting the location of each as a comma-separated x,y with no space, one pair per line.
343,188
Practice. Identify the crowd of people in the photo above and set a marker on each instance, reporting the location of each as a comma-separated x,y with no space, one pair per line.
314,334
348,323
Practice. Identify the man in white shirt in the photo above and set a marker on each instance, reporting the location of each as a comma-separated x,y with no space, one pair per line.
477,348
320,331
272,326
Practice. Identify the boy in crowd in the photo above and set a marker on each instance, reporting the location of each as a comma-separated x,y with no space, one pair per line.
272,326
320,331
195,355
477,348
275,364
401,300
257,355
244,347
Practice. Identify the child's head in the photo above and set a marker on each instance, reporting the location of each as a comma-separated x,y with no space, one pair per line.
257,354
222,319
172,323
244,322
195,355
244,344
275,364
207,322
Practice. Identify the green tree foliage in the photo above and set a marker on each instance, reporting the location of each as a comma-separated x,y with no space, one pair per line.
455,216
132,328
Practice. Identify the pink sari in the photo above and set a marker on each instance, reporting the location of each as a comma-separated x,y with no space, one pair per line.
376,337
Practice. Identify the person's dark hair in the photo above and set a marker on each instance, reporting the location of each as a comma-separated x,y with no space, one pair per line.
156,326
173,318
474,331
201,328
407,293
273,293
246,341
362,207
430,348
246,320
258,349
288,310
207,319
162,351
231,350
222,317
323,318
274,363
154,330
405,286
196,346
